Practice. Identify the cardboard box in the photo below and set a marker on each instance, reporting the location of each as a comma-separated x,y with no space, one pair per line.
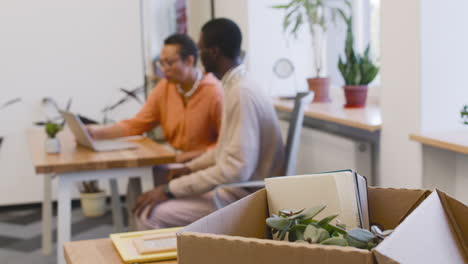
238,233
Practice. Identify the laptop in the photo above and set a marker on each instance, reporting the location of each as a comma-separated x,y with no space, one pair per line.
84,139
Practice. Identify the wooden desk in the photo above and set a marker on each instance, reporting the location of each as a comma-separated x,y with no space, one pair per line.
444,157
77,164
456,141
100,251
361,125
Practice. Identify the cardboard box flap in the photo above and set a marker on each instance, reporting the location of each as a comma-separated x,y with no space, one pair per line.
382,259
389,207
457,214
235,250
245,217
425,236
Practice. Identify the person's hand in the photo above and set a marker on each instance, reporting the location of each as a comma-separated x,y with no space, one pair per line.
151,199
93,131
177,170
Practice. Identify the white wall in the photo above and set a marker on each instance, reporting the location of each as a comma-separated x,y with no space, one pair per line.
423,65
198,13
444,56
81,49
400,159
444,91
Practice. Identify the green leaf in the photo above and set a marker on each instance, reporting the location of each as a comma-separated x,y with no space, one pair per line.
355,243
280,6
336,241
337,229
361,235
324,235
282,234
309,213
296,233
326,220
315,235
278,223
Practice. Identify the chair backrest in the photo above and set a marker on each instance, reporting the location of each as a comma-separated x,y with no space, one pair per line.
294,131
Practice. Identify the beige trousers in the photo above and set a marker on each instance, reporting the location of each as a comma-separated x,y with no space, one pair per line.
184,211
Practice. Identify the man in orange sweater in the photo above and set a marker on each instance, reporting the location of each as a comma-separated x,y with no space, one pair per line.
186,104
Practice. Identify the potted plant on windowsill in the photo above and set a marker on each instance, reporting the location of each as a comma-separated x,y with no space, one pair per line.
317,14
357,70
93,199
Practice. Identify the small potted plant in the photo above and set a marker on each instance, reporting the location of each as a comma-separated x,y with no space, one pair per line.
93,199
318,14
357,70
52,143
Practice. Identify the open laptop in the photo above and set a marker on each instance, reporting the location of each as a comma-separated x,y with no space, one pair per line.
84,139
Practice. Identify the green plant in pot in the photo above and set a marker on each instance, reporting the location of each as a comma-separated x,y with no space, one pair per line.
357,70
52,143
93,199
318,15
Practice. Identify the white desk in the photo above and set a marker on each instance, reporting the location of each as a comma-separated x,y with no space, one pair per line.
77,164
445,161
361,125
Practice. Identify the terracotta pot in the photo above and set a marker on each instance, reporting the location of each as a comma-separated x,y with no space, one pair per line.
321,89
356,95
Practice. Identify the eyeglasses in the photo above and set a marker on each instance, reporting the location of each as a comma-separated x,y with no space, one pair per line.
166,63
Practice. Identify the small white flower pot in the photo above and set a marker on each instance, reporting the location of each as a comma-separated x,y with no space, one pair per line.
93,204
52,145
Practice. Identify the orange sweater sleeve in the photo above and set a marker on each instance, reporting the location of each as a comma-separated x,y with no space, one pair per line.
149,116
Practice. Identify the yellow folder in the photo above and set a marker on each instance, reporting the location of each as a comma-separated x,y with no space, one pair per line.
127,244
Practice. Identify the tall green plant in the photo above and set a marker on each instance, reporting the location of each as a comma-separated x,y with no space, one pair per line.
357,69
318,14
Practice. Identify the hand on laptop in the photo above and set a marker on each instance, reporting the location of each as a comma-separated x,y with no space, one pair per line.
105,132
93,131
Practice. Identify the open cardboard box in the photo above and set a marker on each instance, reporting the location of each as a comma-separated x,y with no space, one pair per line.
238,233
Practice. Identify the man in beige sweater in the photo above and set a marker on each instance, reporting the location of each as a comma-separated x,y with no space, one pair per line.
249,146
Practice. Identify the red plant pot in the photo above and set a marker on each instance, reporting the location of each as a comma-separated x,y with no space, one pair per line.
321,89
356,95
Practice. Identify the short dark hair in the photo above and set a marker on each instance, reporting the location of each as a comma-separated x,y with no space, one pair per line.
224,34
187,46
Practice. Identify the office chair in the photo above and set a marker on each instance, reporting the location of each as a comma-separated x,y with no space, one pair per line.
292,143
